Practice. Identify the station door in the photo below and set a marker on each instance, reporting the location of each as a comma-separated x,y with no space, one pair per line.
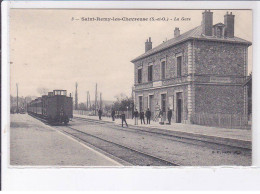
179,112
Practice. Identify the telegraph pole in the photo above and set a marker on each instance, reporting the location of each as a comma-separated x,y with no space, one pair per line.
88,100
76,97
96,100
100,100
17,98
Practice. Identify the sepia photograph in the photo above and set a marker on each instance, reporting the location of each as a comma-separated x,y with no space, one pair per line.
130,87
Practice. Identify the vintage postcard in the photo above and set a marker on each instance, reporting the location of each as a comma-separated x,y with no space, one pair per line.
130,87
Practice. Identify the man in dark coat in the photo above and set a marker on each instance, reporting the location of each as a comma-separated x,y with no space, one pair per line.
113,115
142,116
99,114
136,116
123,119
148,115
169,115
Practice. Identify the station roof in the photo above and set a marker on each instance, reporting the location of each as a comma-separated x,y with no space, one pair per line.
195,33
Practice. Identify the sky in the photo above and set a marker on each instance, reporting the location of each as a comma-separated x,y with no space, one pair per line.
50,49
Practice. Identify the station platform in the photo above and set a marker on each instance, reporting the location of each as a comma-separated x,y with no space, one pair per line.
234,137
33,143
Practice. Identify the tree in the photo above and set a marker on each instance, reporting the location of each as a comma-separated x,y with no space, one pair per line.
82,106
120,96
22,102
108,107
123,103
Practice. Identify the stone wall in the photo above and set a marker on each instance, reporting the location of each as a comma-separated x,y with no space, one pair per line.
216,99
219,58
171,61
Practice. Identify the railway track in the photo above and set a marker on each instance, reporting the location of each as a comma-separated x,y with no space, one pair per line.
121,152
134,155
161,133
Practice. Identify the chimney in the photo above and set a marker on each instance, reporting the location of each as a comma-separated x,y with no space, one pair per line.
207,22
176,32
148,44
229,21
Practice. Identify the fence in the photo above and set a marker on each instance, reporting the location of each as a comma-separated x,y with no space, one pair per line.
83,112
221,120
128,114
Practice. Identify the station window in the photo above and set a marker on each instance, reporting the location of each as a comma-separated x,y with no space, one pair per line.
179,66
140,75
150,73
163,69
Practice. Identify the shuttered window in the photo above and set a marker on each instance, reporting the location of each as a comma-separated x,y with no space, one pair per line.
163,64
150,73
179,66
139,75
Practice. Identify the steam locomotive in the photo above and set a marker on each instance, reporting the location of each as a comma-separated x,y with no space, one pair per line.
56,107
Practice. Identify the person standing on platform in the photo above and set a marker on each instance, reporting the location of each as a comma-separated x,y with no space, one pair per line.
99,114
142,116
169,115
113,113
123,119
136,116
148,116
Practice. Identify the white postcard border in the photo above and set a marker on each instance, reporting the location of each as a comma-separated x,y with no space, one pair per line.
181,178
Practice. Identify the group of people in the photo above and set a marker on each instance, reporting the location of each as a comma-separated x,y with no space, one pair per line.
137,116
148,115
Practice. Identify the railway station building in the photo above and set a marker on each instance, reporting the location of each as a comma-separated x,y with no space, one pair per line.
201,71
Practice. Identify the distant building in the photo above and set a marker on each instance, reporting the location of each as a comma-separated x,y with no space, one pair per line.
200,71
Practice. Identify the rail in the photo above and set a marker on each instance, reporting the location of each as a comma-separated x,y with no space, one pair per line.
123,152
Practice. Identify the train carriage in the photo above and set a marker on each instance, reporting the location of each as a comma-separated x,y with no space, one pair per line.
56,107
